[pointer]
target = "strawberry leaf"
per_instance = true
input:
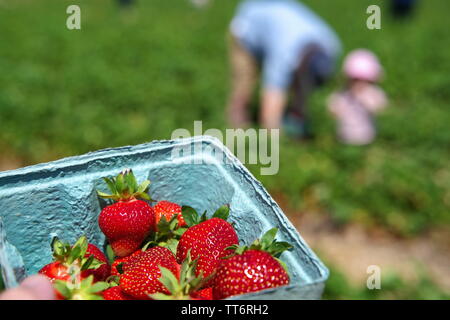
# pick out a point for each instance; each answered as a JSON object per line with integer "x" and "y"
{"x": 223, "y": 212}
{"x": 169, "y": 280}
{"x": 74, "y": 255}
{"x": 163, "y": 225}
{"x": 179, "y": 232}
{"x": 59, "y": 249}
{"x": 87, "y": 263}
{"x": 91, "y": 263}
{"x": 110, "y": 254}
{"x": 145, "y": 196}
{"x": 172, "y": 245}
{"x": 173, "y": 223}
{"x": 184, "y": 267}
{"x": 190, "y": 215}
{"x": 143, "y": 186}
{"x": 85, "y": 283}
{"x": 203, "y": 218}
{"x": 82, "y": 243}
{"x": 160, "y": 296}
{"x": 267, "y": 243}
{"x": 111, "y": 185}
{"x": 61, "y": 287}
{"x": 98, "y": 286}
{"x": 241, "y": 250}
{"x": 277, "y": 248}
{"x": 149, "y": 244}
{"x": 268, "y": 238}
{"x": 106, "y": 196}
{"x": 130, "y": 182}
{"x": 187, "y": 284}
{"x": 192, "y": 218}
{"x": 120, "y": 184}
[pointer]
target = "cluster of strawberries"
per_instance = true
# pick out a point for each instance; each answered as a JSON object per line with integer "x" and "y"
{"x": 163, "y": 252}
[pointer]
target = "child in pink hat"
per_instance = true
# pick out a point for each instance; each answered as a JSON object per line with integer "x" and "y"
{"x": 355, "y": 106}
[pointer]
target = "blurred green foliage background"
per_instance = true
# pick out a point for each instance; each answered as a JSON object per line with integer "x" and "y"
{"x": 132, "y": 76}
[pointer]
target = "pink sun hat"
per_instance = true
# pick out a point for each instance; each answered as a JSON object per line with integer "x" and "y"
{"x": 362, "y": 64}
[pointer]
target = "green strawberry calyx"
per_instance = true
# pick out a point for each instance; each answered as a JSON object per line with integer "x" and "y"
{"x": 187, "y": 284}
{"x": 168, "y": 234}
{"x": 113, "y": 281}
{"x": 192, "y": 218}
{"x": 124, "y": 187}
{"x": 74, "y": 257}
{"x": 266, "y": 243}
{"x": 85, "y": 289}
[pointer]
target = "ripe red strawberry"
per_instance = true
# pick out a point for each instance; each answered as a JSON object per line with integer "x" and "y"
{"x": 252, "y": 269}
{"x": 141, "y": 278}
{"x": 203, "y": 294}
{"x": 103, "y": 271}
{"x": 127, "y": 222}
{"x": 125, "y": 262}
{"x": 206, "y": 240}
{"x": 168, "y": 210}
{"x": 115, "y": 293}
{"x": 72, "y": 265}
{"x": 55, "y": 271}
{"x": 71, "y": 261}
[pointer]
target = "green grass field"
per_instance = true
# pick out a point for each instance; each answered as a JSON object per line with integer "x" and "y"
{"x": 132, "y": 77}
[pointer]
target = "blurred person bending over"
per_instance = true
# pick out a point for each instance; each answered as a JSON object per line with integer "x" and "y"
{"x": 295, "y": 50}
{"x": 354, "y": 105}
